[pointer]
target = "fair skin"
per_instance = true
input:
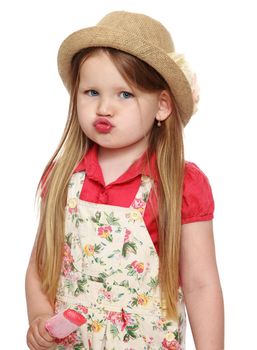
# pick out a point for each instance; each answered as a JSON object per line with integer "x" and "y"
{"x": 201, "y": 285}
{"x": 105, "y": 99}
{"x": 39, "y": 310}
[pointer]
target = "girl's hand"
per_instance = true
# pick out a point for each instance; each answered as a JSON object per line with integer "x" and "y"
{"x": 37, "y": 337}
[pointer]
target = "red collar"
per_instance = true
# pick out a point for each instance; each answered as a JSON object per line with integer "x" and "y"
{"x": 141, "y": 166}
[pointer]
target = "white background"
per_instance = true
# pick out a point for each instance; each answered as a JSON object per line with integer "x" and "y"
{"x": 219, "y": 40}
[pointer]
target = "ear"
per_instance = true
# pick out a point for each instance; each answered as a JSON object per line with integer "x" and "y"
{"x": 165, "y": 106}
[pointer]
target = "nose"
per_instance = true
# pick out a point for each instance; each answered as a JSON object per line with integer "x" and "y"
{"x": 105, "y": 106}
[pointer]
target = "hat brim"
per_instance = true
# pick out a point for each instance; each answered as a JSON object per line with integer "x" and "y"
{"x": 101, "y": 36}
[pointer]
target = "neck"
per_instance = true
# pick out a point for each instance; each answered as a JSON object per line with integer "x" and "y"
{"x": 114, "y": 162}
{"x": 120, "y": 155}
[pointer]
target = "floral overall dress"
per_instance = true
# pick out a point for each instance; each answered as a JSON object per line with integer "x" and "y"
{"x": 110, "y": 275}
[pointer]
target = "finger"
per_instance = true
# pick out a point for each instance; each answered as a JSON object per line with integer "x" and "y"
{"x": 44, "y": 333}
{"x": 42, "y": 344}
{"x": 31, "y": 342}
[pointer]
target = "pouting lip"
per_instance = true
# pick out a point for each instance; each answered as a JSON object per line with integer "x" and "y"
{"x": 102, "y": 120}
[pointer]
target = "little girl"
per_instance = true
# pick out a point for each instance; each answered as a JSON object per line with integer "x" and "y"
{"x": 125, "y": 234}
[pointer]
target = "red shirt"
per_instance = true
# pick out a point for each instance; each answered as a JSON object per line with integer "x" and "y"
{"x": 197, "y": 205}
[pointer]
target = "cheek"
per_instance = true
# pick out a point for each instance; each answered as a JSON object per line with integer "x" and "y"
{"x": 147, "y": 121}
{"x": 83, "y": 112}
{"x": 82, "y": 119}
{"x": 80, "y": 116}
{"x": 80, "y": 106}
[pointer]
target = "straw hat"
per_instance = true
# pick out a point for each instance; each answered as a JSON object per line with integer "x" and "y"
{"x": 143, "y": 37}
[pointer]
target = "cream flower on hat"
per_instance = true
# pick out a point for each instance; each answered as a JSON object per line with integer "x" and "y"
{"x": 191, "y": 77}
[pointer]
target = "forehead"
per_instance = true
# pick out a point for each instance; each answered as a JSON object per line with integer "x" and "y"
{"x": 99, "y": 67}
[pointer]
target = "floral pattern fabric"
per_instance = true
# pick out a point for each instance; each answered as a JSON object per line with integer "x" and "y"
{"x": 110, "y": 275}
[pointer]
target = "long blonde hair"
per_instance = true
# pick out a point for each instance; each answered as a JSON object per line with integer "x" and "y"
{"x": 166, "y": 142}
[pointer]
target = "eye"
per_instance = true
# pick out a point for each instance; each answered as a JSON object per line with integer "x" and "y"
{"x": 91, "y": 93}
{"x": 126, "y": 94}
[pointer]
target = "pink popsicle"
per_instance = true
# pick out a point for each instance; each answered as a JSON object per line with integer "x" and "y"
{"x": 64, "y": 323}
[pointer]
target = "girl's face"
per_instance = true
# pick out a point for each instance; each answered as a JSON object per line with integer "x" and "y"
{"x": 109, "y": 112}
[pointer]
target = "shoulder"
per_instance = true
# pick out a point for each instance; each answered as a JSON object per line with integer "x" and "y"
{"x": 197, "y": 203}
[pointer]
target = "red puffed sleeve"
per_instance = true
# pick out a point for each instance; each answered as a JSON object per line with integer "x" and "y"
{"x": 197, "y": 202}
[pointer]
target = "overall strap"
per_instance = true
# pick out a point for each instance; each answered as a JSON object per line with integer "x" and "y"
{"x": 76, "y": 184}
{"x": 140, "y": 200}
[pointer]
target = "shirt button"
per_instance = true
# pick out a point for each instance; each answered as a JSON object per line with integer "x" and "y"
{"x": 103, "y": 197}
